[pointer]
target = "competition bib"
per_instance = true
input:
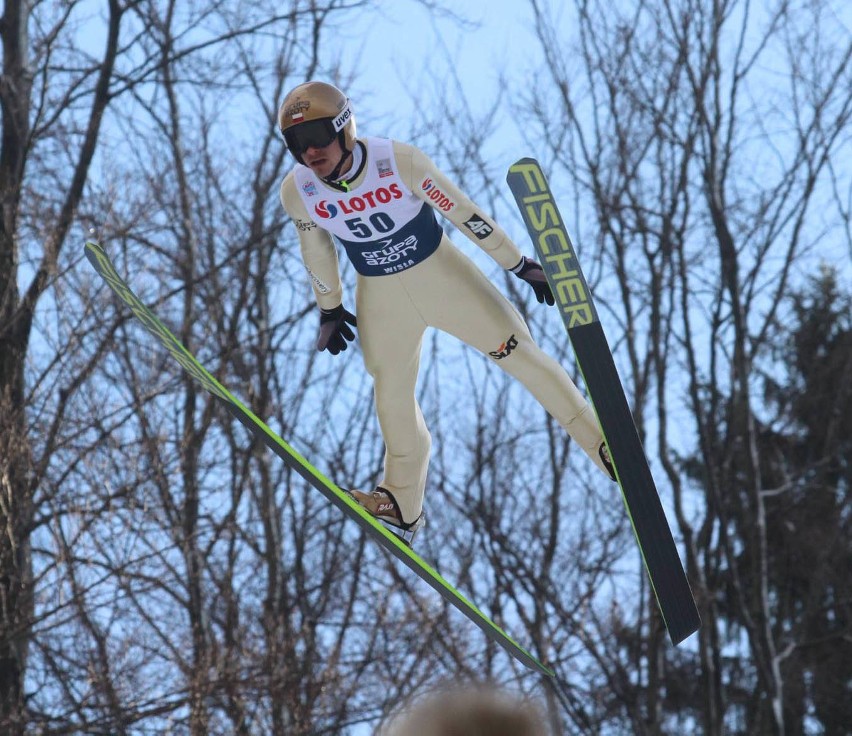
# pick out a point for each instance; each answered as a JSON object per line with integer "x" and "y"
{"x": 382, "y": 225}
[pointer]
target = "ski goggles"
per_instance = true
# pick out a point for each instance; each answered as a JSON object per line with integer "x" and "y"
{"x": 316, "y": 133}
{"x": 312, "y": 134}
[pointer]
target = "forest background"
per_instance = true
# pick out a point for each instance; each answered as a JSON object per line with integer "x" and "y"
{"x": 160, "y": 572}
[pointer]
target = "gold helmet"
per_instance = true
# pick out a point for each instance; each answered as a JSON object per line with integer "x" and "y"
{"x": 314, "y": 114}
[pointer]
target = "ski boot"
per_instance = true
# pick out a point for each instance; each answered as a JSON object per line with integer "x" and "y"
{"x": 381, "y": 504}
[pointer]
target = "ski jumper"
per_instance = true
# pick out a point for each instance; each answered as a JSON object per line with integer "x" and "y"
{"x": 410, "y": 276}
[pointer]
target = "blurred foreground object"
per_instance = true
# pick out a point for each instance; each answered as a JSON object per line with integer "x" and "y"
{"x": 468, "y": 711}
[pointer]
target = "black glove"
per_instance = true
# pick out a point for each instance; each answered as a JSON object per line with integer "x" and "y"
{"x": 333, "y": 331}
{"x": 528, "y": 270}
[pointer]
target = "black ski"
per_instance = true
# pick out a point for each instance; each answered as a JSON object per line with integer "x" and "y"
{"x": 594, "y": 357}
{"x": 339, "y": 498}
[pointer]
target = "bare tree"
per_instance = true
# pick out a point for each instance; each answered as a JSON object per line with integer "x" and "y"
{"x": 157, "y": 568}
{"x": 698, "y": 140}
{"x": 29, "y": 107}
{"x": 160, "y": 571}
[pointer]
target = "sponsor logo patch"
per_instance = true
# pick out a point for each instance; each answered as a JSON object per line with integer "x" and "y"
{"x": 358, "y": 203}
{"x": 304, "y": 225}
{"x": 505, "y": 349}
{"x": 325, "y": 209}
{"x": 441, "y": 200}
{"x": 321, "y": 287}
{"x": 310, "y": 189}
{"x": 479, "y": 227}
{"x": 342, "y": 118}
{"x": 390, "y": 256}
{"x": 384, "y": 167}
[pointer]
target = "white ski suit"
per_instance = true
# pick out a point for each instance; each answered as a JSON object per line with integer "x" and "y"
{"x": 410, "y": 277}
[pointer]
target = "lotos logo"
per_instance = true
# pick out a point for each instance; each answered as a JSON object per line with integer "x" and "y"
{"x": 441, "y": 200}
{"x": 505, "y": 349}
{"x": 360, "y": 202}
{"x": 326, "y": 210}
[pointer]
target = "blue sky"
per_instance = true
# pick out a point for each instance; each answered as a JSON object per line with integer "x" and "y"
{"x": 404, "y": 41}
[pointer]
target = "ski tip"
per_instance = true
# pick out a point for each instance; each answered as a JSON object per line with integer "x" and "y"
{"x": 530, "y": 661}
{"x": 521, "y": 167}
{"x": 547, "y": 672}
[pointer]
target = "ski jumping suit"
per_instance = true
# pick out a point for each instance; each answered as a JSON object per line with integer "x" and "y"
{"x": 410, "y": 277}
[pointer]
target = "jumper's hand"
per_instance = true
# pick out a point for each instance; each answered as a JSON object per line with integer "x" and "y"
{"x": 528, "y": 270}
{"x": 334, "y": 330}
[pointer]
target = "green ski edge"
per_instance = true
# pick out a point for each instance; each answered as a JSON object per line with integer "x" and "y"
{"x": 102, "y": 264}
{"x": 533, "y": 196}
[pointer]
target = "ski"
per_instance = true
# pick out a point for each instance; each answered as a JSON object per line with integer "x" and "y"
{"x": 339, "y": 498}
{"x": 558, "y": 258}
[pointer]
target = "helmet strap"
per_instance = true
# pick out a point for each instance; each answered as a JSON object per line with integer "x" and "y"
{"x": 346, "y": 154}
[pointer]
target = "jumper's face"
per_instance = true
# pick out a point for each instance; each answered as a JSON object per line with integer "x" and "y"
{"x": 323, "y": 159}
{"x": 317, "y": 144}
